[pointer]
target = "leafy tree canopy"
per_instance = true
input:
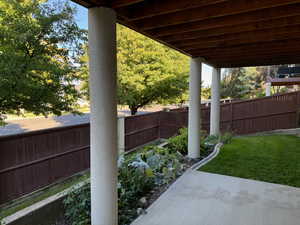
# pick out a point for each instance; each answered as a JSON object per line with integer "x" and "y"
{"x": 148, "y": 72}
{"x": 39, "y": 43}
{"x": 243, "y": 83}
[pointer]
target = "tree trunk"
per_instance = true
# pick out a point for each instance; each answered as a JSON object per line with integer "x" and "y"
{"x": 133, "y": 110}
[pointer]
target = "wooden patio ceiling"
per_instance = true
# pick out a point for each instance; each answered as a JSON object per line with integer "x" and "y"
{"x": 225, "y": 33}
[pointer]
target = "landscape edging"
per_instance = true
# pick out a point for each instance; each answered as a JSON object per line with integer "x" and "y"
{"x": 208, "y": 158}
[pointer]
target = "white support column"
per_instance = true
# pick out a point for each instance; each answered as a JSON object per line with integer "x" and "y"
{"x": 102, "y": 65}
{"x": 268, "y": 84}
{"x": 268, "y": 89}
{"x": 215, "y": 102}
{"x": 194, "y": 125}
{"x": 121, "y": 134}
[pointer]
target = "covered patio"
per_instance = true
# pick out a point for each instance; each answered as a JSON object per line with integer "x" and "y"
{"x": 213, "y": 199}
{"x": 220, "y": 33}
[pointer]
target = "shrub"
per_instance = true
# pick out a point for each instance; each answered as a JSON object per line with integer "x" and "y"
{"x": 211, "y": 140}
{"x": 226, "y": 138}
{"x": 78, "y": 205}
{"x": 139, "y": 173}
{"x": 180, "y": 142}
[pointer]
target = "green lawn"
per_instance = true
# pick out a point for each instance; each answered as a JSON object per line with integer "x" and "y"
{"x": 274, "y": 158}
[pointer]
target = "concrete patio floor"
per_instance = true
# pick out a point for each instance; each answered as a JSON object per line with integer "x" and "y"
{"x": 199, "y": 198}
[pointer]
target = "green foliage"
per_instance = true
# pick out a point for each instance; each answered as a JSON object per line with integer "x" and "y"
{"x": 211, "y": 140}
{"x": 248, "y": 82}
{"x": 139, "y": 173}
{"x": 148, "y": 72}
{"x": 226, "y": 138}
{"x": 243, "y": 83}
{"x": 205, "y": 92}
{"x": 39, "y": 43}
{"x": 78, "y": 205}
{"x": 235, "y": 84}
{"x": 180, "y": 142}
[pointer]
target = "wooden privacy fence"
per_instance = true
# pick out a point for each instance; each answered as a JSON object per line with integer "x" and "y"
{"x": 33, "y": 160}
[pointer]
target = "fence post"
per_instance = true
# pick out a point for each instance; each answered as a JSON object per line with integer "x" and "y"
{"x": 121, "y": 134}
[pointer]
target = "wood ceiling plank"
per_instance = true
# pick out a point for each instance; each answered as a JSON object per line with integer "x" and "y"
{"x": 122, "y": 3}
{"x": 85, "y": 3}
{"x": 157, "y": 7}
{"x": 243, "y": 38}
{"x": 261, "y": 55}
{"x": 246, "y": 49}
{"x": 106, "y": 3}
{"x": 257, "y": 62}
{"x": 247, "y": 27}
{"x": 251, "y": 17}
{"x": 213, "y": 11}
{"x": 226, "y": 28}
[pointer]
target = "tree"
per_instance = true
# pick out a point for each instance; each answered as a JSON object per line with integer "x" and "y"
{"x": 39, "y": 43}
{"x": 242, "y": 83}
{"x": 205, "y": 92}
{"x": 234, "y": 83}
{"x": 148, "y": 72}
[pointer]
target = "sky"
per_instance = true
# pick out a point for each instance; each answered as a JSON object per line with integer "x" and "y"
{"x": 82, "y": 21}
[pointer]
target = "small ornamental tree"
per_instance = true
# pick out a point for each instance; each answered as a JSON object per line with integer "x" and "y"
{"x": 39, "y": 43}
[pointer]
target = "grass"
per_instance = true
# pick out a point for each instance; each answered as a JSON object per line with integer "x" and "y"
{"x": 273, "y": 158}
{"x": 15, "y": 206}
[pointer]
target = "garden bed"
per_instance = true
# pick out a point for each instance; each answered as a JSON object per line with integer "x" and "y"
{"x": 143, "y": 176}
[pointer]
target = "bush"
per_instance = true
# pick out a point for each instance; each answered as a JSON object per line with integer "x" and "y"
{"x": 226, "y": 138}
{"x": 211, "y": 140}
{"x": 78, "y": 205}
{"x": 139, "y": 173}
{"x": 180, "y": 142}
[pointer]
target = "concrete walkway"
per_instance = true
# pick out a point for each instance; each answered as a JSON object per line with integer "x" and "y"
{"x": 199, "y": 198}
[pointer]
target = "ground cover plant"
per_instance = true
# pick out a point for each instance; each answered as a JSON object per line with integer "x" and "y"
{"x": 139, "y": 174}
{"x": 272, "y": 158}
{"x": 143, "y": 176}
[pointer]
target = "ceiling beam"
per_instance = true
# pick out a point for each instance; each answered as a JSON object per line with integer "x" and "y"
{"x": 130, "y": 26}
{"x": 247, "y": 27}
{"x": 256, "y": 16}
{"x": 122, "y": 3}
{"x": 213, "y": 11}
{"x": 258, "y": 62}
{"x": 255, "y": 54}
{"x": 243, "y": 38}
{"x": 246, "y": 49}
{"x": 236, "y": 57}
{"x": 253, "y": 57}
{"x": 85, "y": 3}
{"x": 107, "y": 3}
{"x": 157, "y": 7}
